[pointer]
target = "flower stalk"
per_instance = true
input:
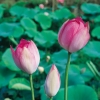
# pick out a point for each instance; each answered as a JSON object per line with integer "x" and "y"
{"x": 31, "y": 84}
{"x": 54, "y": 5}
{"x": 66, "y": 77}
{"x": 51, "y": 98}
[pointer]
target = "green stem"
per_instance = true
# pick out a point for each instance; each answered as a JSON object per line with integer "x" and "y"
{"x": 94, "y": 67}
{"x": 65, "y": 3}
{"x": 51, "y": 98}
{"x": 54, "y": 5}
{"x": 93, "y": 71}
{"x": 66, "y": 76}
{"x": 13, "y": 40}
{"x": 31, "y": 83}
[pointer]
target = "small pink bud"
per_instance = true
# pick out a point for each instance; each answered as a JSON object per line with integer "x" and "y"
{"x": 41, "y": 6}
{"x": 61, "y": 1}
{"x": 26, "y": 56}
{"x": 52, "y": 83}
{"x": 74, "y": 34}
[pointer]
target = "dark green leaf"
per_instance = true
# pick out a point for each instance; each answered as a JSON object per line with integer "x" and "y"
{"x": 81, "y": 92}
{"x": 18, "y": 32}
{"x": 46, "y": 38}
{"x": 29, "y": 13}
{"x": 8, "y": 60}
{"x": 60, "y": 95}
{"x": 27, "y": 23}
{"x": 92, "y": 49}
{"x": 1, "y": 10}
{"x": 77, "y": 92}
{"x": 6, "y": 29}
{"x": 31, "y": 33}
{"x": 97, "y": 19}
{"x": 44, "y": 20}
{"x": 61, "y": 57}
{"x": 96, "y": 32}
{"x": 90, "y": 8}
{"x": 43, "y": 94}
{"x": 17, "y": 10}
{"x": 22, "y": 11}
{"x": 5, "y": 75}
{"x": 61, "y": 13}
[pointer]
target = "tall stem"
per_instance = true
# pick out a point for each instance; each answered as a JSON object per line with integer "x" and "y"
{"x": 54, "y": 5}
{"x": 65, "y": 2}
{"x": 31, "y": 83}
{"x": 66, "y": 77}
{"x": 13, "y": 40}
{"x": 51, "y": 98}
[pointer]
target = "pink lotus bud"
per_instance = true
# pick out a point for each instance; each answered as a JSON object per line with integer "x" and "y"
{"x": 26, "y": 56}
{"x": 41, "y": 6}
{"x": 52, "y": 83}
{"x": 61, "y": 1}
{"x": 74, "y": 34}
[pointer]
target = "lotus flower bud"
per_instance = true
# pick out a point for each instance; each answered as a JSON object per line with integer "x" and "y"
{"x": 47, "y": 58}
{"x": 74, "y": 34}
{"x": 41, "y": 6}
{"x": 26, "y": 56}
{"x": 61, "y": 1}
{"x": 41, "y": 69}
{"x": 52, "y": 83}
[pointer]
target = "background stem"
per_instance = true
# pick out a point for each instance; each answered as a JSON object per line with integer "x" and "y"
{"x": 51, "y": 98}
{"x": 54, "y": 5}
{"x": 66, "y": 77}
{"x": 31, "y": 83}
{"x": 13, "y": 40}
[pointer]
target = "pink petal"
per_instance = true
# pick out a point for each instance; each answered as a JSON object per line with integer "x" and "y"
{"x": 79, "y": 40}
{"x": 15, "y": 57}
{"x": 52, "y": 83}
{"x": 87, "y": 25}
{"x": 34, "y": 52}
{"x": 27, "y": 61}
{"x": 67, "y": 32}
{"x": 23, "y": 43}
{"x": 60, "y": 1}
{"x": 80, "y": 20}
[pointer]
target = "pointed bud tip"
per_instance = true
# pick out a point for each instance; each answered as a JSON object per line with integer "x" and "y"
{"x": 53, "y": 67}
{"x": 12, "y": 50}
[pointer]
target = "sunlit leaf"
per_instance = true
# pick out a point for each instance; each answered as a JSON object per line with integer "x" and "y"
{"x": 28, "y": 24}
{"x": 90, "y": 8}
{"x": 44, "y": 20}
{"x": 8, "y": 61}
{"x": 19, "y": 84}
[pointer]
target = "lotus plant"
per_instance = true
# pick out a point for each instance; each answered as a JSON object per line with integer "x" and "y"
{"x": 52, "y": 83}
{"x": 27, "y": 58}
{"x": 73, "y": 36}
